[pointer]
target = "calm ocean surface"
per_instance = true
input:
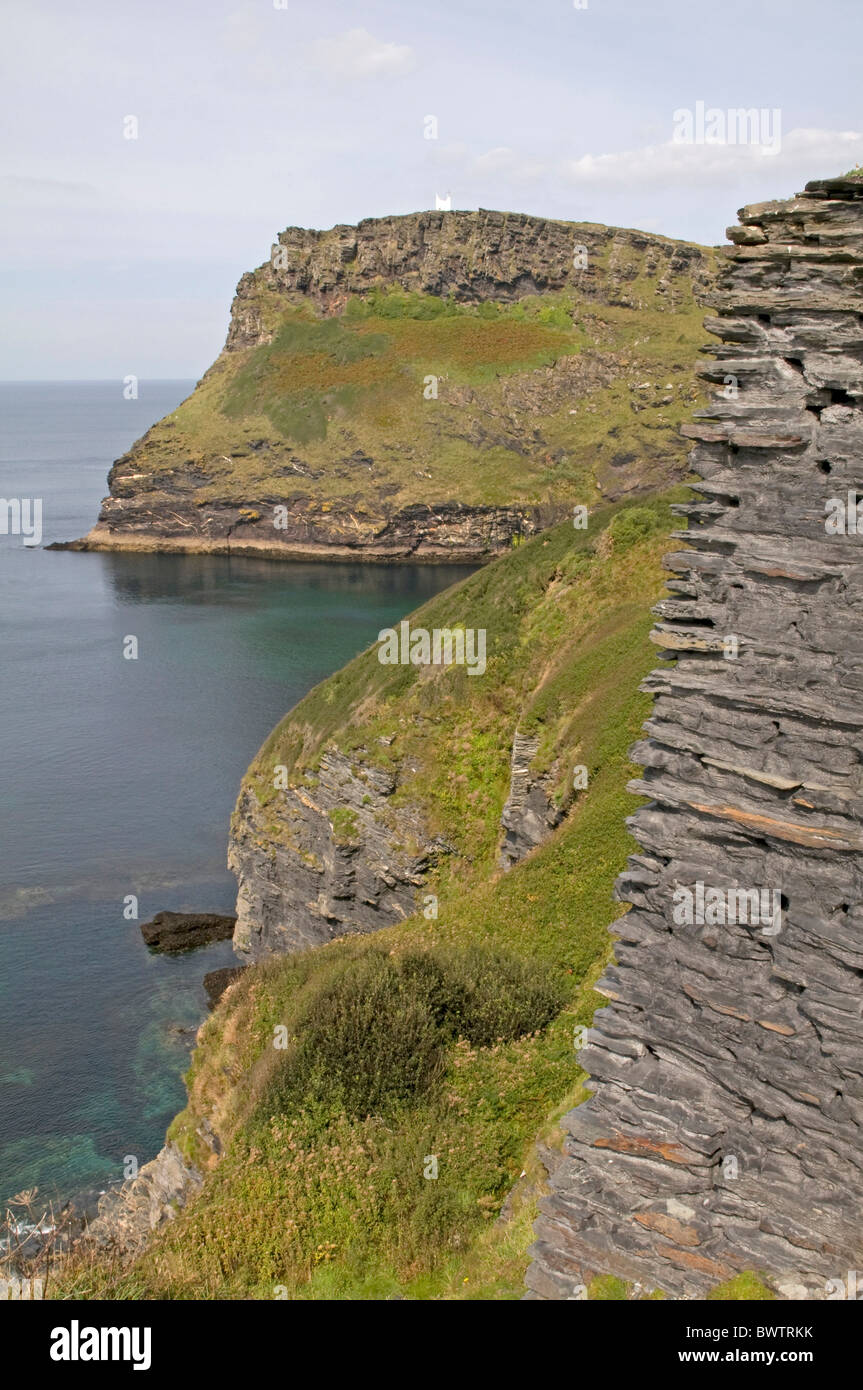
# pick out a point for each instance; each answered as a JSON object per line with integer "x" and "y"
{"x": 118, "y": 777}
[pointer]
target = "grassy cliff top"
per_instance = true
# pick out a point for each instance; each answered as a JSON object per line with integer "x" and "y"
{"x": 485, "y": 359}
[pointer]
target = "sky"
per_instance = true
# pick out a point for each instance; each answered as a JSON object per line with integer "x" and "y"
{"x": 152, "y": 151}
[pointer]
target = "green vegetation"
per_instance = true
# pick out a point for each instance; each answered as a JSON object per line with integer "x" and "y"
{"x": 745, "y": 1288}
{"x": 396, "y": 398}
{"x": 344, "y": 823}
{"x": 378, "y": 1100}
{"x": 565, "y": 615}
{"x": 447, "y": 1039}
{"x": 371, "y": 1034}
{"x": 606, "y": 1288}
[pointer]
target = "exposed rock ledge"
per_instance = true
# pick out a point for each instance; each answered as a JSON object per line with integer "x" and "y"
{"x": 529, "y": 815}
{"x": 332, "y": 856}
{"x": 305, "y": 876}
{"x": 128, "y": 1215}
{"x": 447, "y": 533}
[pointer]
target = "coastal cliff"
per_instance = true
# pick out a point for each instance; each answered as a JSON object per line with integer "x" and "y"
{"x": 426, "y": 864}
{"x": 387, "y": 786}
{"x": 724, "y": 1130}
{"x": 432, "y": 387}
{"x": 325, "y": 859}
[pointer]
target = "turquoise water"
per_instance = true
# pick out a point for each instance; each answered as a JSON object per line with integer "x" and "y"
{"x": 118, "y": 777}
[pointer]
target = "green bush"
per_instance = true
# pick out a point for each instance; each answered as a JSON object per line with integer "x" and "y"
{"x": 344, "y": 823}
{"x": 374, "y": 1034}
{"x": 302, "y": 336}
{"x": 607, "y": 1288}
{"x": 747, "y": 1287}
{"x": 496, "y": 997}
{"x": 396, "y": 303}
{"x": 363, "y": 1043}
{"x": 555, "y": 316}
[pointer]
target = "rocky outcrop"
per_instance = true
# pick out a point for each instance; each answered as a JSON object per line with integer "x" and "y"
{"x": 217, "y": 981}
{"x": 325, "y": 858}
{"x": 331, "y": 855}
{"x": 128, "y": 1215}
{"x": 724, "y": 1130}
{"x": 529, "y": 815}
{"x": 320, "y": 405}
{"x": 469, "y": 256}
{"x": 172, "y": 521}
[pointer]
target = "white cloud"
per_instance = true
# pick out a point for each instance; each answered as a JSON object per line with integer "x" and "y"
{"x": 357, "y": 53}
{"x": 51, "y": 45}
{"x": 247, "y": 27}
{"x": 487, "y": 175}
{"x": 802, "y": 153}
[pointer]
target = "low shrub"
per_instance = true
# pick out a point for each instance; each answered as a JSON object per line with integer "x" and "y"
{"x": 374, "y": 1033}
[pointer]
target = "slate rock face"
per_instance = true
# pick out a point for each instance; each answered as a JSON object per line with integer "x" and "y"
{"x": 529, "y": 815}
{"x": 472, "y": 256}
{"x": 724, "y": 1129}
{"x": 128, "y": 1215}
{"x": 302, "y": 880}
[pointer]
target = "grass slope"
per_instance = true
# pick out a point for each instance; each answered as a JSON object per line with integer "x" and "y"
{"x": 534, "y": 402}
{"x": 449, "y": 1039}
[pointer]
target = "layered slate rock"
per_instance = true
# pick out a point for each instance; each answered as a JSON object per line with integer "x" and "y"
{"x": 470, "y": 256}
{"x": 128, "y": 1215}
{"x": 724, "y": 1128}
{"x": 529, "y": 814}
{"x": 328, "y": 862}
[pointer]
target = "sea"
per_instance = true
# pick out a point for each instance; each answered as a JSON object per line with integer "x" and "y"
{"x": 118, "y": 776}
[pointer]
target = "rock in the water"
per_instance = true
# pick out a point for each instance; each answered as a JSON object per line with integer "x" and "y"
{"x": 182, "y": 931}
{"x": 724, "y": 1132}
